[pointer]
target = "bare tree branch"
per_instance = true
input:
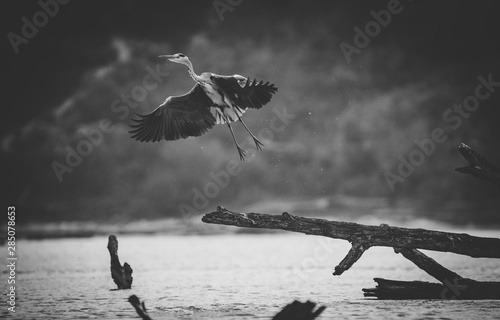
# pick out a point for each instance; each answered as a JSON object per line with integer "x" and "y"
{"x": 352, "y": 256}
{"x": 386, "y": 236}
{"x": 478, "y": 167}
{"x": 429, "y": 265}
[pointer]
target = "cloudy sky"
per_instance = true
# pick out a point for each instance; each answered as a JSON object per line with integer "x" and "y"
{"x": 373, "y": 99}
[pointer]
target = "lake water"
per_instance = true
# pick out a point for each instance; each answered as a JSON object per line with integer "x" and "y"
{"x": 237, "y": 276}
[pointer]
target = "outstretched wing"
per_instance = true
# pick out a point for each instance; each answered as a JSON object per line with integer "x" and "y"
{"x": 245, "y": 92}
{"x": 178, "y": 117}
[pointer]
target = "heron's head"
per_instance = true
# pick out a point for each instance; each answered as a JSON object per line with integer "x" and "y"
{"x": 177, "y": 58}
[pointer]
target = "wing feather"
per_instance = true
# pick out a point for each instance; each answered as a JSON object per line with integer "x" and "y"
{"x": 178, "y": 117}
{"x": 253, "y": 94}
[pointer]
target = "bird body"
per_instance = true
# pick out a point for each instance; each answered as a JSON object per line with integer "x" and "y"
{"x": 223, "y": 103}
{"x": 215, "y": 99}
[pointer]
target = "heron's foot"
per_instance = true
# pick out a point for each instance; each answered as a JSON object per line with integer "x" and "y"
{"x": 258, "y": 144}
{"x": 241, "y": 152}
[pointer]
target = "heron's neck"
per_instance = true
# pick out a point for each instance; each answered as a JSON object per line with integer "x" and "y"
{"x": 191, "y": 71}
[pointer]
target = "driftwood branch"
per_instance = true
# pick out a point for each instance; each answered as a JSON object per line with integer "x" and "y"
{"x": 122, "y": 275}
{"x": 385, "y": 236}
{"x": 479, "y": 167}
{"x": 352, "y": 256}
{"x": 429, "y": 265}
{"x": 403, "y": 240}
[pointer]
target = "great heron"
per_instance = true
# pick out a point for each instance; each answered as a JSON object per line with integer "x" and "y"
{"x": 214, "y": 99}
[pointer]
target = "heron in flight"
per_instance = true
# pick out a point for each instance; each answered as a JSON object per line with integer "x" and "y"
{"x": 215, "y": 99}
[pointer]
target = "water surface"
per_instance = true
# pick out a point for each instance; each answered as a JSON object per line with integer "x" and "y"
{"x": 239, "y": 276}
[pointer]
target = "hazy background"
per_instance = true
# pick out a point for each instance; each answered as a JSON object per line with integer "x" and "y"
{"x": 352, "y": 120}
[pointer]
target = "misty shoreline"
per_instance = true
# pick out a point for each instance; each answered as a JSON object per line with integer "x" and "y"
{"x": 195, "y": 227}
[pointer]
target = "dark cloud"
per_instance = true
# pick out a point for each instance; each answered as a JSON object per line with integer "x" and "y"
{"x": 351, "y": 123}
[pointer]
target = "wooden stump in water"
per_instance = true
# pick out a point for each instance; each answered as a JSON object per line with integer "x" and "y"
{"x": 139, "y": 307}
{"x": 122, "y": 275}
{"x": 293, "y": 311}
{"x": 299, "y": 311}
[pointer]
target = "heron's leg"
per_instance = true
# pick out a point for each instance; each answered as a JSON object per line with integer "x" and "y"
{"x": 258, "y": 144}
{"x": 240, "y": 151}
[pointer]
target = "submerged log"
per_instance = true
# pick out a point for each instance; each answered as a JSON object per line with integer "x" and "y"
{"x": 479, "y": 167}
{"x": 458, "y": 289}
{"x": 122, "y": 275}
{"x": 452, "y": 285}
{"x": 299, "y": 311}
{"x": 400, "y": 290}
{"x": 139, "y": 307}
{"x": 403, "y": 240}
{"x": 293, "y": 311}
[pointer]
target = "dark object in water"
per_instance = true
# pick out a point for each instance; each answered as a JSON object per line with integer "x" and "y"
{"x": 449, "y": 290}
{"x": 140, "y": 308}
{"x": 299, "y": 311}
{"x": 122, "y": 276}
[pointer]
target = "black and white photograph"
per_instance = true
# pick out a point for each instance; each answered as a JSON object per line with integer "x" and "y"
{"x": 250, "y": 159}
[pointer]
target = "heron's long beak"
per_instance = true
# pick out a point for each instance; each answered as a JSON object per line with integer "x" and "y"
{"x": 168, "y": 56}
